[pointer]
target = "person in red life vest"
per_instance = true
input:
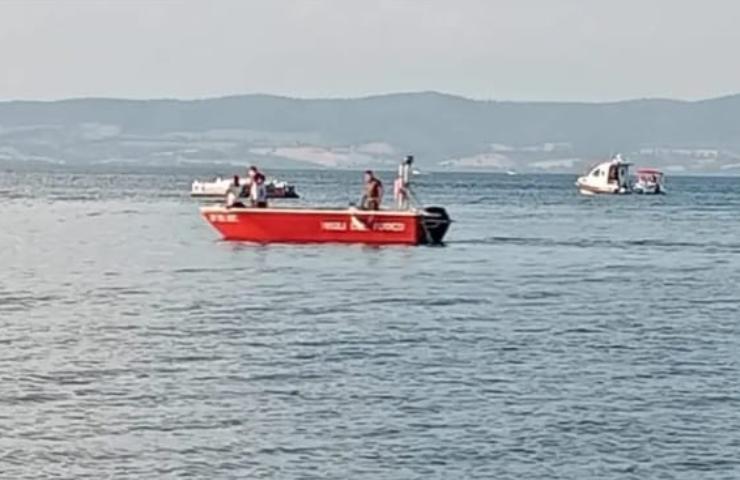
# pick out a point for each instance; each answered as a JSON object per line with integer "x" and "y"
{"x": 258, "y": 191}
{"x": 373, "y": 193}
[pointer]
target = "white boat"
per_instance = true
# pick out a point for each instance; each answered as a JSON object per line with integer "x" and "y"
{"x": 219, "y": 186}
{"x": 610, "y": 177}
{"x": 215, "y": 188}
{"x": 649, "y": 181}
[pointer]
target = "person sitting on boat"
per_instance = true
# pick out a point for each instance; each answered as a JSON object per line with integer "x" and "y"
{"x": 258, "y": 191}
{"x": 233, "y": 194}
{"x": 373, "y": 192}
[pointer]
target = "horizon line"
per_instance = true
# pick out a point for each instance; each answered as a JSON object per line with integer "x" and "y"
{"x": 363, "y": 97}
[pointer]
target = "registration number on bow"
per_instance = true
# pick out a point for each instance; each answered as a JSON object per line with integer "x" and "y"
{"x": 222, "y": 218}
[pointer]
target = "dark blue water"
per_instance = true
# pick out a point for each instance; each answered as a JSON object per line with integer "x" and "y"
{"x": 554, "y": 336}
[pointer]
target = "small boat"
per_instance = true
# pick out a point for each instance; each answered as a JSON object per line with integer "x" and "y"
{"x": 280, "y": 189}
{"x": 649, "y": 181}
{"x": 610, "y": 177}
{"x": 315, "y": 225}
{"x": 219, "y": 186}
{"x": 215, "y": 188}
{"x": 401, "y": 225}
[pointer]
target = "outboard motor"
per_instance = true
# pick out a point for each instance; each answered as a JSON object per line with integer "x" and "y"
{"x": 435, "y": 223}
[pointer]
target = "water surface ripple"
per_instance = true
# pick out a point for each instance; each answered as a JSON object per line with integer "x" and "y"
{"x": 553, "y": 337}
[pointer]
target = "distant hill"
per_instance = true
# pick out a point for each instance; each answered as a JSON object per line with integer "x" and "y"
{"x": 443, "y": 131}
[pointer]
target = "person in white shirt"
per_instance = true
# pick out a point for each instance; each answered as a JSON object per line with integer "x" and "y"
{"x": 233, "y": 194}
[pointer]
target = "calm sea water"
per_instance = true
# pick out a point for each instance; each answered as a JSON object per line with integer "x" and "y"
{"x": 554, "y": 336}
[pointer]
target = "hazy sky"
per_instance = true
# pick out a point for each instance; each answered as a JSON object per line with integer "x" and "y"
{"x": 494, "y": 49}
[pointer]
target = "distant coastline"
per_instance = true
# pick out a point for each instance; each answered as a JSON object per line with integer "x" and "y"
{"x": 445, "y": 132}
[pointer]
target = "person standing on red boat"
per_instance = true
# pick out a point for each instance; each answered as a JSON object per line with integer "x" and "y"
{"x": 251, "y": 173}
{"x": 401, "y": 191}
{"x": 373, "y": 193}
{"x": 258, "y": 191}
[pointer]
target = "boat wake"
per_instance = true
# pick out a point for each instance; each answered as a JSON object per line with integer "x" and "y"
{"x": 598, "y": 243}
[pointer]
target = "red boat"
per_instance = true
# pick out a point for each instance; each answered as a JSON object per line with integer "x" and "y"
{"x": 295, "y": 225}
{"x": 409, "y": 226}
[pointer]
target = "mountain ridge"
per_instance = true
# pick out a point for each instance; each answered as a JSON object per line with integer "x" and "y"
{"x": 408, "y": 93}
{"x": 443, "y": 130}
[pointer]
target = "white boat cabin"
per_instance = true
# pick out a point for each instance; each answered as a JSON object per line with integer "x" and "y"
{"x": 607, "y": 177}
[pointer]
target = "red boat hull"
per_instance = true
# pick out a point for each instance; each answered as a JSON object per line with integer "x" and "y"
{"x": 282, "y": 225}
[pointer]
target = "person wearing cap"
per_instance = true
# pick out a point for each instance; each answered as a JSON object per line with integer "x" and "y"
{"x": 373, "y": 193}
